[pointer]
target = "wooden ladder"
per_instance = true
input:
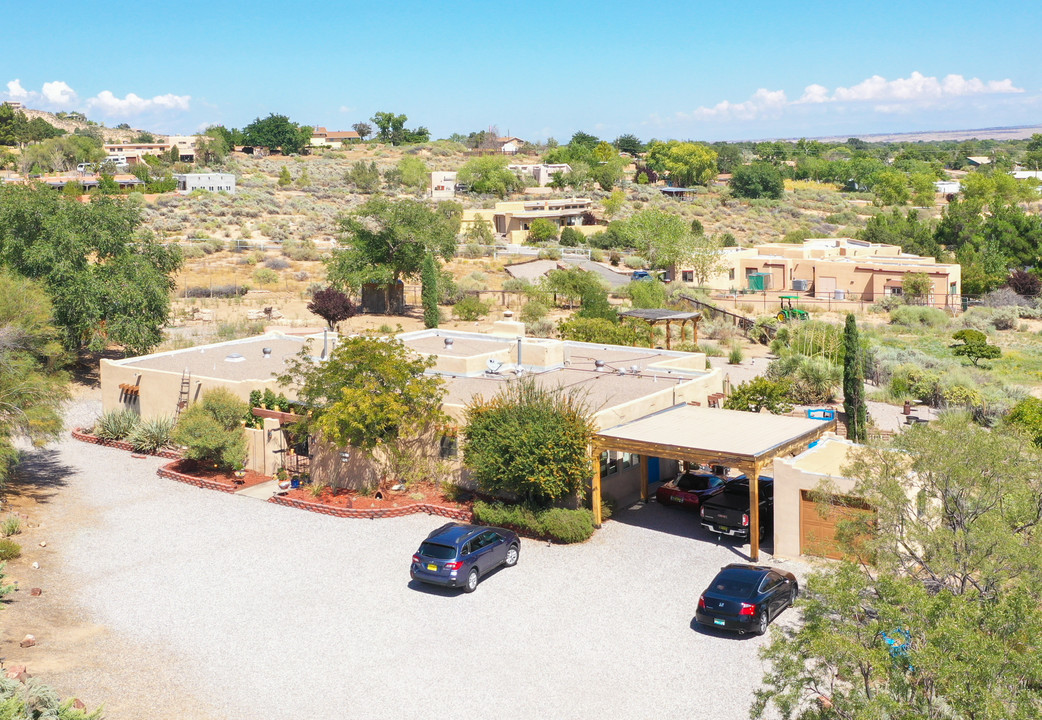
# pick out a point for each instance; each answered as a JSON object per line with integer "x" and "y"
{"x": 182, "y": 397}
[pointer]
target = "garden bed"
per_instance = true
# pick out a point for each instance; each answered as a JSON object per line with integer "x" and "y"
{"x": 83, "y": 436}
{"x": 195, "y": 473}
{"x": 349, "y": 503}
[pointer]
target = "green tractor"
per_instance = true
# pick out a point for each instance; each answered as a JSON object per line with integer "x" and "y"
{"x": 789, "y": 311}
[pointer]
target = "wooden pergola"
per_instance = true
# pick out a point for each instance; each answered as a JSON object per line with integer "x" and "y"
{"x": 745, "y": 441}
{"x": 653, "y": 316}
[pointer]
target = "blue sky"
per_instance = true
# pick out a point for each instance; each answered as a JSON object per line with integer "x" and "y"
{"x": 689, "y": 70}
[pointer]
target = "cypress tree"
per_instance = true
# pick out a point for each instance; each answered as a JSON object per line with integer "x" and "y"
{"x": 854, "y": 383}
{"x": 429, "y": 293}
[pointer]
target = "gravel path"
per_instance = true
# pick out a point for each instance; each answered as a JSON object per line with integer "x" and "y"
{"x": 270, "y": 612}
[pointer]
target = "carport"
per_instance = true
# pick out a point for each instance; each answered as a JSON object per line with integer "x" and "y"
{"x": 745, "y": 441}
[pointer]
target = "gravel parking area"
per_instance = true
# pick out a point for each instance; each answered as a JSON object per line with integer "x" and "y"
{"x": 260, "y": 611}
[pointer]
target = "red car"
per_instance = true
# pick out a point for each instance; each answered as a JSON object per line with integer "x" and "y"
{"x": 690, "y": 489}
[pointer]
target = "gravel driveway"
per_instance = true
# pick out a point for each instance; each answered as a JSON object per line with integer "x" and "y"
{"x": 272, "y": 612}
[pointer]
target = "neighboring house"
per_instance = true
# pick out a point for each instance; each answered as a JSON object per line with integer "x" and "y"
{"x": 185, "y": 145}
{"x": 509, "y": 145}
{"x": 513, "y": 218}
{"x": 443, "y": 184}
{"x": 89, "y": 181}
{"x": 134, "y": 152}
{"x": 14, "y": 104}
{"x": 947, "y": 187}
{"x": 837, "y": 268}
{"x": 542, "y": 173}
{"x": 211, "y": 182}
{"x": 978, "y": 160}
{"x": 335, "y": 139}
{"x": 618, "y": 383}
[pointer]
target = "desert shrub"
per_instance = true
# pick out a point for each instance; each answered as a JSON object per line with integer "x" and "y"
{"x": 1005, "y": 297}
{"x": 735, "y": 356}
{"x": 887, "y": 304}
{"x": 763, "y": 330}
{"x": 533, "y": 311}
{"x": 191, "y": 252}
{"x": 570, "y": 237}
{"x": 602, "y": 331}
{"x": 471, "y": 308}
{"x": 116, "y": 424}
{"x": 542, "y": 328}
{"x": 11, "y": 525}
{"x": 597, "y": 255}
{"x": 541, "y": 230}
{"x": 211, "y": 430}
{"x": 152, "y": 435}
{"x": 518, "y": 285}
{"x": 634, "y": 262}
{"x": 559, "y": 524}
{"x": 217, "y": 291}
{"x": 1027, "y": 415}
{"x": 549, "y": 254}
{"x": 276, "y": 263}
{"x": 918, "y": 316}
{"x": 300, "y": 250}
{"x": 646, "y": 294}
{"x": 811, "y": 379}
{"x": 474, "y": 282}
{"x": 9, "y": 550}
{"x": 987, "y": 318}
{"x": 265, "y": 276}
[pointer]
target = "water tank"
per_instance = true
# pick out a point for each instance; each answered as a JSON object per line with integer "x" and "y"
{"x": 799, "y": 285}
{"x": 839, "y": 295}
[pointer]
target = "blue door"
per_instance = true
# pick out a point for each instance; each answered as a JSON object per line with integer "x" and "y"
{"x": 653, "y": 471}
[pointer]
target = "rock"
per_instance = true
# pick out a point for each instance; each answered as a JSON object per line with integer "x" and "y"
{"x": 35, "y": 566}
{"x": 78, "y": 704}
{"x": 35, "y": 592}
{"x": 28, "y": 642}
{"x": 17, "y": 672}
{"x": 43, "y": 543}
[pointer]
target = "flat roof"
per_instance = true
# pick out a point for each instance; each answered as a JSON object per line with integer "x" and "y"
{"x": 732, "y": 436}
{"x": 660, "y": 314}
{"x": 461, "y": 346}
{"x": 212, "y": 360}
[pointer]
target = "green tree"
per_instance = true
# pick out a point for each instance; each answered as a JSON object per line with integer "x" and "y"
{"x": 276, "y": 131}
{"x": 955, "y": 569}
{"x": 391, "y": 129}
{"x": 574, "y": 285}
{"x": 413, "y": 173}
{"x": 109, "y": 282}
{"x": 303, "y": 180}
{"x": 906, "y": 231}
{"x": 211, "y": 430}
{"x": 530, "y": 441}
{"x": 488, "y": 174}
{"x": 480, "y": 232}
{"x": 363, "y": 129}
{"x": 613, "y": 203}
{"x": 602, "y": 331}
{"x": 728, "y": 157}
{"x": 854, "y": 383}
{"x": 175, "y": 154}
{"x": 685, "y": 163}
{"x": 759, "y": 180}
{"x": 364, "y": 176}
{"x": 891, "y": 188}
{"x": 1026, "y": 415}
{"x": 629, "y": 143}
{"x": 661, "y": 238}
{"x": 429, "y": 292}
{"x": 923, "y": 192}
{"x": 385, "y": 241}
{"x": 285, "y": 179}
{"x": 542, "y": 230}
{"x": 370, "y": 393}
{"x": 917, "y": 288}
{"x": 570, "y": 237}
{"x": 760, "y": 394}
{"x": 974, "y": 346}
{"x": 558, "y": 180}
{"x": 704, "y": 258}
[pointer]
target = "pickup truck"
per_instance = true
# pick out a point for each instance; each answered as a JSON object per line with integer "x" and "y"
{"x": 728, "y": 512}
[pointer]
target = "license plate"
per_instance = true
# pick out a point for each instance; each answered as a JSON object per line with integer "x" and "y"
{"x": 432, "y": 568}
{"x": 676, "y": 498}
{"x": 721, "y": 528}
{"x": 718, "y": 622}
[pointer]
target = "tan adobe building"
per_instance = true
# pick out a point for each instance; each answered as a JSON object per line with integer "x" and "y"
{"x": 837, "y": 268}
{"x": 335, "y": 139}
{"x": 513, "y": 218}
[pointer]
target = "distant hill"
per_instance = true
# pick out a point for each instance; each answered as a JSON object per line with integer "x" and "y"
{"x": 1020, "y": 132}
{"x": 111, "y": 134}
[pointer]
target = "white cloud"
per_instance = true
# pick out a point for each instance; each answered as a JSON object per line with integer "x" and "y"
{"x": 59, "y": 95}
{"x": 345, "y": 109}
{"x": 917, "y": 91}
{"x": 109, "y": 105}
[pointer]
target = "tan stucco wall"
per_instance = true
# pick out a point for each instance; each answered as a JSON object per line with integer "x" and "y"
{"x": 824, "y": 462}
{"x": 696, "y": 390}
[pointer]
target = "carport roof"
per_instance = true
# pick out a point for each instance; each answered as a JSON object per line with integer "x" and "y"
{"x": 728, "y": 437}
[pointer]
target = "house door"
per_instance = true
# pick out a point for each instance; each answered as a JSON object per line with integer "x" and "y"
{"x": 825, "y": 287}
{"x": 818, "y": 532}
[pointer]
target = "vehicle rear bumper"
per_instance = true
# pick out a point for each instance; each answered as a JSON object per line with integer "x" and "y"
{"x": 724, "y": 530}
{"x": 435, "y": 579}
{"x": 742, "y": 624}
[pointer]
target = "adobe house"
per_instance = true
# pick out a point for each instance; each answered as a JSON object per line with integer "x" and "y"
{"x": 332, "y": 139}
{"x": 513, "y": 218}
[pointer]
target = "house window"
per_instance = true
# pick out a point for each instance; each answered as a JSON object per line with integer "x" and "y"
{"x": 449, "y": 446}
{"x": 687, "y": 275}
{"x": 730, "y": 274}
{"x": 613, "y": 462}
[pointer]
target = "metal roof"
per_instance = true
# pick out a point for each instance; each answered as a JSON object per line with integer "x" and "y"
{"x": 659, "y": 314}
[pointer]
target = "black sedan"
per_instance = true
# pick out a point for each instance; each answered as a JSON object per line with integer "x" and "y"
{"x": 458, "y": 555}
{"x": 746, "y": 598}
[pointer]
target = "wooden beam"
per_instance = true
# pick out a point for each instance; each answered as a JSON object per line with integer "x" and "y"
{"x": 669, "y": 326}
{"x": 595, "y": 490}
{"x": 643, "y": 460}
{"x": 754, "y": 514}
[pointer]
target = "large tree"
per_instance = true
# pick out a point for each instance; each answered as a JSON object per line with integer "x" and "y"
{"x": 953, "y": 582}
{"x": 662, "y": 238}
{"x": 391, "y": 129}
{"x": 685, "y": 163}
{"x": 109, "y": 281}
{"x": 759, "y": 180}
{"x": 277, "y": 131}
{"x": 385, "y": 241}
{"x": 489, "y": 174}
{"x": 854, "y": 383}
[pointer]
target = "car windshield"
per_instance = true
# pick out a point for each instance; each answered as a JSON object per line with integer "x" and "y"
{"x": 436, "y": 551}
{"x": 689, "y": 481}
{"x": 733, "y": 586}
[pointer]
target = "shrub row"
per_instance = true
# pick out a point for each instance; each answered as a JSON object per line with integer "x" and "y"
{"x": 559, "y": 524}
{"x": 147, "y": 436}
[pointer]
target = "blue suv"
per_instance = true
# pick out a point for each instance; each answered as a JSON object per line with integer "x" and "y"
{"x": 457, "y": 555}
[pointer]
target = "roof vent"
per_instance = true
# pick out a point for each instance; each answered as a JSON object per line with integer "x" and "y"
{"x": 266, "y": 352}
{"x": 448, "y": 343}
{"x": 235, "y": 357}
{"x": 635, "y": 369}
{"x": 598, "y": 365}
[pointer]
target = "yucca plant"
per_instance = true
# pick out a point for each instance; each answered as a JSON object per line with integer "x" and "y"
{"x": 11, "y": 526}
{"x": 152, "y": 435}
{"x": 116, "y": 424}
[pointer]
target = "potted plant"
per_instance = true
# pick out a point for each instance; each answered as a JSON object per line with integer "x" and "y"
{"x": 239, "y": 471}
{"x": 282, "y": 475}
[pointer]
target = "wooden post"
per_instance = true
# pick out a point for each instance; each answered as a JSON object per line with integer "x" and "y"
{"x": 694, "y": 331}
{"x": 595, "y": 490}
{"x": 668, "y": 333}
{"x": 754, "y": 514}
{"x": 683, "y": 330}
{"x": 643, "y": 460}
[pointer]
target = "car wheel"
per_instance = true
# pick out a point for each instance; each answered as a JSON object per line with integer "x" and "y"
{"x": 793, "y": 594}
{"x": 512, "y": 554}
{"x": 472, "y": 581}
{"x": 761, "y": 623}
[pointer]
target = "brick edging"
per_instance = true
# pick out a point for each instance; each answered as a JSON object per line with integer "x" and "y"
{"x": 78, "y": 434}
{"x": 167, "y": 472}
{"x": 373, "y": 513}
